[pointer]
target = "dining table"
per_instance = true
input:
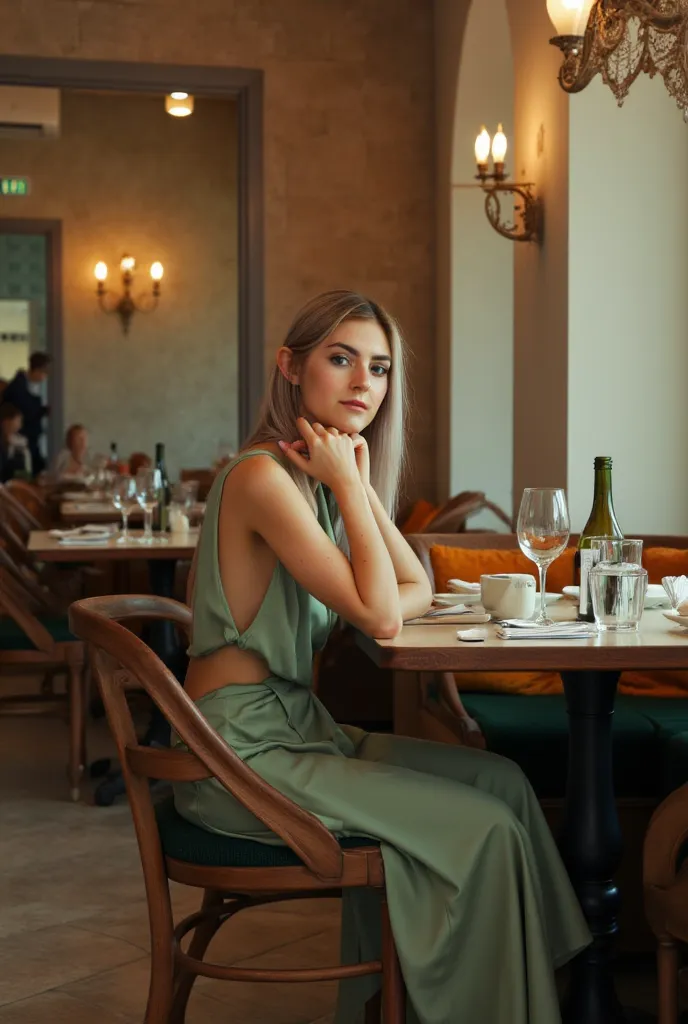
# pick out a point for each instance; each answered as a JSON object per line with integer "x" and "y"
{"x": 89, "y": 510}
{"x": 162, "y": 557}
{"x": 590, "y": 837}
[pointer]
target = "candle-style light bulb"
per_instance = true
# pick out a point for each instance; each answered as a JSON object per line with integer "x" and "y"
{"x": 499, "y": 145}
{"x": 100, "y": 271}
{"x": 482, "y": 151}
{"x": 157, "y": 270}
{"x": 569, "y": 17}
{"x": 127, "y": 264}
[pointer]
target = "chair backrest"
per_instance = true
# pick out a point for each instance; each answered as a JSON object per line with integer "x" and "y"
{"x": 453, "y": 515}
{"x": 18, "y": 516}
{"x": 422, "y": 542}
{"x": 99, "y": 621}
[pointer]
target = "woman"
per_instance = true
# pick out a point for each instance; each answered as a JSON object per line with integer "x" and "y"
{"x": 298, "y": 531}
{"x": 72, "y": 462}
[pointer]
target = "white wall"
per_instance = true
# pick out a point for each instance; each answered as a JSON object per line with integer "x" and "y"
{"x": 481, "y": 374}
{"x": 628, "y": 305}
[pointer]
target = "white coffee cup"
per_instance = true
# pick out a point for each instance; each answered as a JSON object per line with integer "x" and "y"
{"x": 508, "y": 595}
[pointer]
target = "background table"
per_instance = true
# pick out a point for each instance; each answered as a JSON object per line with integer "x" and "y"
{"x": 590, "y": 840}
{"x": 162, "y": 559}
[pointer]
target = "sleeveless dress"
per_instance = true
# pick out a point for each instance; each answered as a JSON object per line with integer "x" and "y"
{"x": 480, "y": 904}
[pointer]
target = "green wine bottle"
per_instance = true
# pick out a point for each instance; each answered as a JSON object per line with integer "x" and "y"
{"x": 161, "y": 517}
{"x": 601, "y": 523}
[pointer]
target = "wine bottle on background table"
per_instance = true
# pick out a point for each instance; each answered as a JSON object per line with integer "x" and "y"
{"x": 113, "y": 462}
{"x": 601, "y": 523}
{"x": 161, "y": 518}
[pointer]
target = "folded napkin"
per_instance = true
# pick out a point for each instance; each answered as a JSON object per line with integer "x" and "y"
{"x": 455, "y": 613}
{"x": 524, "y": 629}
{"x": 461, "y": 587}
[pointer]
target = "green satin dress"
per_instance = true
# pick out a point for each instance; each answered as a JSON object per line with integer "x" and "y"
{"x": 481, "y": 906}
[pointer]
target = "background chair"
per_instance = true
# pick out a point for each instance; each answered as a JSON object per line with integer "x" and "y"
{"x": 35, "y": 640}
{"x": 665, "y": 883}
{"x": 233, "y": 873}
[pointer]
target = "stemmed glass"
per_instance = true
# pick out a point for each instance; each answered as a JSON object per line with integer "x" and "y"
{"x": 147, "y": 497}
{"x": 543, "y": 531}
{"x": 125, "y": 501}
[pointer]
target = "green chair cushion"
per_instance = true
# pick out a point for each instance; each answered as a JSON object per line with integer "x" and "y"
{"x": 668, "y": 715}
{"x": 533, "y": 732}
{"x": 675, "y": 762}
{"x": 184, "y": 841}
{"x": 13, "y": 637}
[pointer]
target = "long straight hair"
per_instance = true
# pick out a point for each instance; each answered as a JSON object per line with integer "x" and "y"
{"x": 385, "y": 435}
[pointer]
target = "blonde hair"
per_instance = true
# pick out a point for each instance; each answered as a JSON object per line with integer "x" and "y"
{"x": 386, "y": 435}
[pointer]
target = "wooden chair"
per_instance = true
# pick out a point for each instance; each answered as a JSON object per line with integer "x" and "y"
{"x": 233, "y": 873}
{"x": 665, "y": 884}
{"x": 452, "y": 516}
{"x": 34, "y": 639}
{"x": 32, "y": 498}
{"x": 205, "y": 477}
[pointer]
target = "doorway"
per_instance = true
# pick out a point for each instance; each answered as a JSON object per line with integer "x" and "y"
{"x": 244, "y": 88}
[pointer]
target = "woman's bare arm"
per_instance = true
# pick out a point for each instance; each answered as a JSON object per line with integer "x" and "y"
{"x": 415, "y": 592}
{"x": 363, "y": 591}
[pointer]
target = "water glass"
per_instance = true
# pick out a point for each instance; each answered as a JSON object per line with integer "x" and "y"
{"x": 617, "y": 549}
{"x": 617, "y": 591}
{"x": 543, "y": 531}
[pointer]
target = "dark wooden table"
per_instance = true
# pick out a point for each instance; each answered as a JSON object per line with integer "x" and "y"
{"x": 590, "y": 840}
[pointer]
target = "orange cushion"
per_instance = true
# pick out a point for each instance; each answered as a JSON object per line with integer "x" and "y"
{"x": 419, "y": 516}
{"x": 661, "y": 562}
{"x": 469, "y": 564}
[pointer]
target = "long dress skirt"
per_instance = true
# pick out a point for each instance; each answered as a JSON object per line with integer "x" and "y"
{"x": 480, "y": 904}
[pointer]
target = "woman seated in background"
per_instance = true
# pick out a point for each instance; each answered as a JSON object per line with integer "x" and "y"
{"x": 137, "y": 461}
{"x": 71, "y": 462}
{"x": 14, "y": 452}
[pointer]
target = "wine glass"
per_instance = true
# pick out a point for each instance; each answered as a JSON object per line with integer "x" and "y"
{"x": 543, "y": 531}
{"x": 147, "y": 497}
{"x": 125, "y": 501}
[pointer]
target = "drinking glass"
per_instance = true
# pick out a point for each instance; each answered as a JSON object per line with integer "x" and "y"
{"x": 543, "y": 531}
{"x": 147, "y": 497}
{"x": 125, "y": 501}
{"x": 617, "y": 549}
{"x": 617, "y": 590}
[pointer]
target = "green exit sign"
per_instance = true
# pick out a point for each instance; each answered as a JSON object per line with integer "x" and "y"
{"x": 14, "y": 186}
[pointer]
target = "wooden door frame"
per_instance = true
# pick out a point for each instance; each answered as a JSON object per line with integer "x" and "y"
{"x": 245, "y": 85}
{"x": 52, "y": 230}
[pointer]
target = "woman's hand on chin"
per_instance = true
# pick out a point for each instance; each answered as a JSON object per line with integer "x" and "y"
{"x": 331, "y": 457}
{"x": 360, "y": 451}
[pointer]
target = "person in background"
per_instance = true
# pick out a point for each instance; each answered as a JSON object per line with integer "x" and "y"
{"x": 14, "y": 453}
{"x": 137, "y": 461}
{"x": 22, "y": 393}
{"x": 71, "y": 463}
{"x": 3, "y": 385}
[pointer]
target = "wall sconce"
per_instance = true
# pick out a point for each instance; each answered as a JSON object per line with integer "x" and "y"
{"x": 620, "y": 38}
{"x": 125, "y": 305}
{"x": 179, "y": 104}
{"x": 526, "y": 225}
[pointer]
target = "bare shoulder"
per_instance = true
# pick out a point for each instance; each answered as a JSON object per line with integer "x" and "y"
{"x": 260, "y": 478}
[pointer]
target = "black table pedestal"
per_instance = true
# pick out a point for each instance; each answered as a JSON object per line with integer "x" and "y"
{"x": 590, "y": 844}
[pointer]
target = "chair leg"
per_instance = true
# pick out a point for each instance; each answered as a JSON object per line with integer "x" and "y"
{"x": 667, "y": 982}
{"x": 393, "y": 988}
{"x": 200, "y": 941}
{"x": 76, "y": 727}
{"x": 161, "y": 985}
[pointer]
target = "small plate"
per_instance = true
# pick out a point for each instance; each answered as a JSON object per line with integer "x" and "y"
{"x": 448, "y": 600}
{"x": 681, "y": 620}
{"x": 655, "y": 596}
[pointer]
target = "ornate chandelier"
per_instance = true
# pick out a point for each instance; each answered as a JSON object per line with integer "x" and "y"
{"x": 619, "y": 39}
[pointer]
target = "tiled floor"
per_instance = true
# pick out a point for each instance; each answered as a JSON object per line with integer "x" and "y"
{"x": 73, "y": 925}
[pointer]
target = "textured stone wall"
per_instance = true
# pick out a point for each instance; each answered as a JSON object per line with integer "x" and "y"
{"x": 349, "y": 129}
